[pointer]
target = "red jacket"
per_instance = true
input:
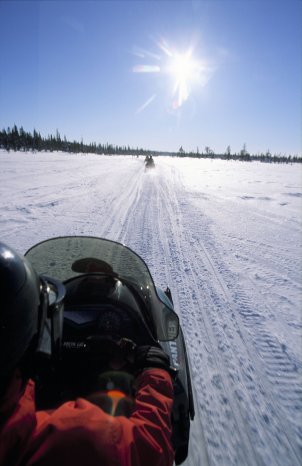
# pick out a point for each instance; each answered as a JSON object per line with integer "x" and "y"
{"x": 80, "y": 433}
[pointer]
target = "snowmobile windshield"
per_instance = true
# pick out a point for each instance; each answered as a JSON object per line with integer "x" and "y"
{"x": 66, "y": 257}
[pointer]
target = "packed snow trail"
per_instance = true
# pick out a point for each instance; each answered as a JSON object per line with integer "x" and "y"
{"x": 227, "y": 326}
{"x": 228, "y": 244}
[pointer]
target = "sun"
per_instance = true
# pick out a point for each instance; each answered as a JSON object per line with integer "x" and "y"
{"x": 185, "y": 71}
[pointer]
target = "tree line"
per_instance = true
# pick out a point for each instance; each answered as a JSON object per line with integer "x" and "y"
{"x": 17, "y": 139}
{"x": 242, "y": 155}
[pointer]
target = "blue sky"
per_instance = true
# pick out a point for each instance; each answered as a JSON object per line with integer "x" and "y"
{"x": 74, "y": 66}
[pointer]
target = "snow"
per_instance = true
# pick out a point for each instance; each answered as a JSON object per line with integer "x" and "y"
{"x": 226, "y": 237}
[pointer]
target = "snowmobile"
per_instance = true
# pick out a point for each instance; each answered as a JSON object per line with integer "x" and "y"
{"x": 149, "y": 162}
{"x": 110, "y": 300}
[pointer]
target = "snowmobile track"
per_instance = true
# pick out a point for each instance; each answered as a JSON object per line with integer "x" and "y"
{"x": 214, "y": 307}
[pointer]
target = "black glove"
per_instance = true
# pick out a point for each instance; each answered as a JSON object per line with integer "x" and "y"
{"x": 151, "y": 357}
{"x": 145, "y": 357}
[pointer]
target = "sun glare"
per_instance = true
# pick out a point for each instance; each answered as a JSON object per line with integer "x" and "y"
{"x": 185, "y": 71}
{"x": 182, "y": 67}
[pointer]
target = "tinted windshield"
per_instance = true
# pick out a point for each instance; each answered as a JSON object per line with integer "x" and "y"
{"x": 66, "y": 257}
{"x": 58, "y": 258}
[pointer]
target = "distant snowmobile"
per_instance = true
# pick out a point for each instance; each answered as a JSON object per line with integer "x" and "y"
{"x": 110, "y": 298}
{"x": 149, "y": 162}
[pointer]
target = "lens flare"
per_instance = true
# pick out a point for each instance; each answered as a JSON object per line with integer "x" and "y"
{"x": 146, "y": 104}
{"x": 184, "y": 70}
{"x": 146, "y": 69}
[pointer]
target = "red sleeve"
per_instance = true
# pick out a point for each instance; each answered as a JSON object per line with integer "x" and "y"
{"x": 79, "y": 432}
{"x": 17, "y": 428}
{"x": 148, "y": 431}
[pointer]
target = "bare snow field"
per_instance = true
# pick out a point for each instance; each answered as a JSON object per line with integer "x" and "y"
{"x": 226, "y": 237}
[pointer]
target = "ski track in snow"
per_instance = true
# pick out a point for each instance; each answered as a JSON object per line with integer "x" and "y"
{"x": 228, "y": 243}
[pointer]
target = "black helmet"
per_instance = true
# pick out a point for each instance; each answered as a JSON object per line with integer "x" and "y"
{"x": 24, "y": 308}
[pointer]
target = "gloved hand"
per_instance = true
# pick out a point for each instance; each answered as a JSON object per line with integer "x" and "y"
{"x": 145, "y": 357}
{"x": 151, "y": 357}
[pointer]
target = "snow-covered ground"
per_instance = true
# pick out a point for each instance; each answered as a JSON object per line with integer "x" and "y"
{"x": 226, "y": 237}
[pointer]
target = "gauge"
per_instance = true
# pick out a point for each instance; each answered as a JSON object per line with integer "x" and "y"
{"x": 110, "y": 323}
{"x": 116, "y": 322}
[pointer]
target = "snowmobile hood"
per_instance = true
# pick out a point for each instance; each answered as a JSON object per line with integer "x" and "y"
{"x": 69, "y": 256}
